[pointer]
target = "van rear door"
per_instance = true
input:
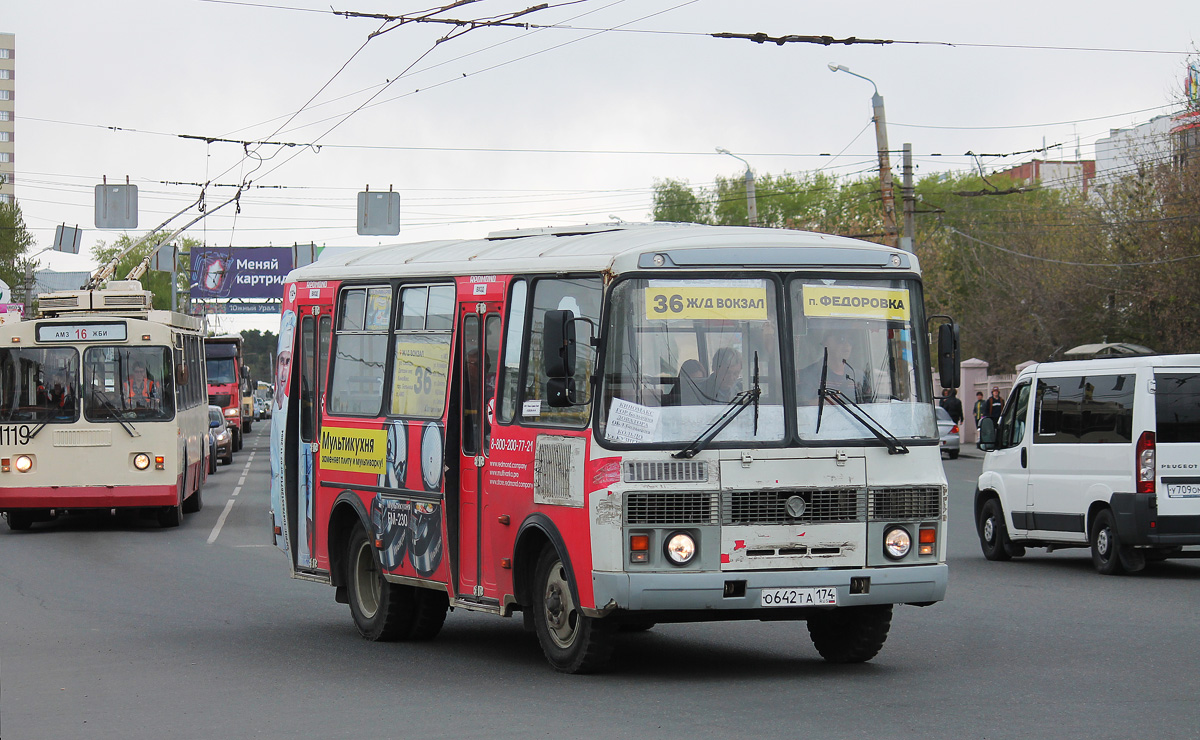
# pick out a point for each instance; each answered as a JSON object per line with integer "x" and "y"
{"x": 1177, "y": 438}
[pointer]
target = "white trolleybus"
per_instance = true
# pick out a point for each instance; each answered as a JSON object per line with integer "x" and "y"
{"x": 102, "y": 406}
{"x": 609, "y": 427}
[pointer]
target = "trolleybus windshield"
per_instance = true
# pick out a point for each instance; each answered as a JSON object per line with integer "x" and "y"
{"x": 128, "y": 383}
{"x": 39, "y": 385}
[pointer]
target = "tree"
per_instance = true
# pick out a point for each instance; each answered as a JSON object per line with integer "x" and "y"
{"x": 15, "y": 243}
{"x": 258, "y": 349}
{"x": 675, "y": 201}
{"x": 158, "y": 283}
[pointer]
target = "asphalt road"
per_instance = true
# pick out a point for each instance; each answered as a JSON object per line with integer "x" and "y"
{"x": 114, "y": 628}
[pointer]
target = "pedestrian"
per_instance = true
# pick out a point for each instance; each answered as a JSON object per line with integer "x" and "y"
{"x": 979, "y": 411}
{"x": 952, "y": 405}
{"x": 995, "y": 405}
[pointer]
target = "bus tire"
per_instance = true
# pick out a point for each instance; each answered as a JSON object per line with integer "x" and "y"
{"x": 382, "y": 611}
{"x": 19, "y": 521}
{"x": 429, "y": 614}
{"x": 572, "y": 642}
{"x": 850, "y": 634}
{"x": 193, "y": 503}
{"x": 1106, "y": 546}
{"x": 246, "y": 426}
{"x": 237, "y": 438}
{"x": 993, "y": 534}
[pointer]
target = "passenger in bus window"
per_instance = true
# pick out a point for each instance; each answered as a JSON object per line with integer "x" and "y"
{"x": 840, "y": 372}
{"x": 61, "y": 394}
{"x": 691, "y": 376}
{"x": 141, "y": 391}
{"x": 724, "y": 382}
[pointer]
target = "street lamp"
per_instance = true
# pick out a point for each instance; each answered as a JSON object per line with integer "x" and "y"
{"x": 751, "y": 200}
{"x": 885, "y": 166}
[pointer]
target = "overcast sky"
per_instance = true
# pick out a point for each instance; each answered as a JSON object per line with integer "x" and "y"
{"x": 504, "y": 127}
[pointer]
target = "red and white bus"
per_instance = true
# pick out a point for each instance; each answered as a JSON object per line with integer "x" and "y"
{"x": 609, "y": 427}
{"x": 102, "y": 406}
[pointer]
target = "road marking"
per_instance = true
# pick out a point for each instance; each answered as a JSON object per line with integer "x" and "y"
{"x": 237, "y": 490}
{"x": 242, "y": 480}
{"x": 220, "y": 522}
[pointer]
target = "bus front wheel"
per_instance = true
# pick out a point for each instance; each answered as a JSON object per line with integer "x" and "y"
{"x": 851, "y": 634}
{"x": 19, "y": 521}
{"x": 572, "y": 642}
{"x": 382, "y": 611}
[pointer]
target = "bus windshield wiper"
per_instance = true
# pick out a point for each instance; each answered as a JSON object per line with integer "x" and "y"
{"x": 894, "y": 445}
{"x": 735, "y": 407}
{"x": 129, "y": 428}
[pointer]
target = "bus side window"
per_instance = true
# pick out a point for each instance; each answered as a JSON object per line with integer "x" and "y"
{"x": 580, "y": 296}
{"x": 307, "y": 381}
{"x": 421, "y": 356}
{"x": 357, "y": 374}
{"x": 510, "y": 380}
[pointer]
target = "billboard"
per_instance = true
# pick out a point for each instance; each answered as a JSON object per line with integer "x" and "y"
{"x": 254, "y": 273}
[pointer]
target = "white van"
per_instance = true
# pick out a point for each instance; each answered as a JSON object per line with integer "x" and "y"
{"x": 1095, "y": 453}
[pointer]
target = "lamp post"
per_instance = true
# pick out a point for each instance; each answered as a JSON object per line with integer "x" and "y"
{"x": 751, "y": 201}
{"x": 885, "y": 166}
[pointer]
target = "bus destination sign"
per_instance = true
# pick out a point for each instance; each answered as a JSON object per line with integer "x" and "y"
{"x": 114, "y": 332}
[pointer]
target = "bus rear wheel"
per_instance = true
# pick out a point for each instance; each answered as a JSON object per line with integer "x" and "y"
{"x": 382, "y": 611}
{"x": 851, "y": 634}
{"x": 19, "y": 521}
{"x": 572, "y": 642}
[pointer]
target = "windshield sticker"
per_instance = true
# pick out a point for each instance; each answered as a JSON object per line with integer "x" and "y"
{"x": 631, "y": 422}
{"x": 691, "y": 302}
{"x": 849, "y": 302}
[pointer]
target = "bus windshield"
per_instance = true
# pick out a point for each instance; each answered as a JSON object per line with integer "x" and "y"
{"x": 39, "y": 385}
{"x": 128, "y": 383}
{"x": 859, "y": 337}
{"x": 682, "y": 351}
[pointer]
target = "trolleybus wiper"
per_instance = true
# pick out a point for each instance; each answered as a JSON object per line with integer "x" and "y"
{"x": 894, "y": 445}
{"x": 129, "y": 428}
{"x": 735, "y": 407}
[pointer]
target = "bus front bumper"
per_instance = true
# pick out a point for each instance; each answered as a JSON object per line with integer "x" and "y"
{"x": 87, "y": 497}
{"x": 706, "y": 591}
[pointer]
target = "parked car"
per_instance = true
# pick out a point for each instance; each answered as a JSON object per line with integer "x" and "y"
{"x": 220, "y": 439}
{"x": 948, "y": 431}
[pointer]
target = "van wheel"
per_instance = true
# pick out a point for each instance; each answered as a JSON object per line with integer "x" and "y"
{"x": 572, "y": 642}
{"x": 993, "y": 534}
{"x": 1106, "y": 545}
{"x": 850, "y": 634}
{"x": 382, "y": 611}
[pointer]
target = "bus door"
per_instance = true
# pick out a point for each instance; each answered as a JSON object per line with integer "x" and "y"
{"x": 478, "y": 358}
{"x": 312, "y": 354}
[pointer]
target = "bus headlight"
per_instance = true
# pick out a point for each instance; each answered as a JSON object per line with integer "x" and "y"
{"x": 680, "y": 548}
{"x": 896, "y": 543}
{"x": 141, "y": 461}
{"x": 23, "y": 463}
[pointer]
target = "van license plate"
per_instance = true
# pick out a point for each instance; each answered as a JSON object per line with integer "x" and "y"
{"x": 820, "y": 596}
{"x": 1183, "y": 490}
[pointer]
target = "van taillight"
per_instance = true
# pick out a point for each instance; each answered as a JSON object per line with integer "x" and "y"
{"x": 1145, "y": 463}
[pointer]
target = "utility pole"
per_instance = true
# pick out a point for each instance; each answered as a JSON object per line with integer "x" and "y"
{"x": 885, "y": 165}
{"x": 910, "y": 227}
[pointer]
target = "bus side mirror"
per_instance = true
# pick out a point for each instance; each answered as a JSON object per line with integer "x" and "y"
{"x": 949, "y": 356}
{"x": 987, "y": 434}
{"x": 558, "y": 344}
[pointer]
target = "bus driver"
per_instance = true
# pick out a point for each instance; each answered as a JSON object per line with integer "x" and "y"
{"x": 141, "y": 391}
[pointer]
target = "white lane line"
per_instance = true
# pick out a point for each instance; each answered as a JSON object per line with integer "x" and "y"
{"x": 220, "y": 522}
{"x": 237, "y": 490}
{"x": 242, "y": 481}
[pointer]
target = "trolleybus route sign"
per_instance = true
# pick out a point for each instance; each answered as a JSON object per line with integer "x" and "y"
{"x": 114, "y": 332}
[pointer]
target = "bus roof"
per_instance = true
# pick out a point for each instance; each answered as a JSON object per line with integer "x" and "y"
{"x": 615, "y": 247}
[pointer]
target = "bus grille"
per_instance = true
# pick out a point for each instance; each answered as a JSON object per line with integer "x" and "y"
{"x": 219, "y": 399}
{"x": 83, "y": 438}
{"x": 922, "y": 502}
{"x": 689, "y": 471}
{"x": 671, "y": 507}
{"x": 770, "y": 507}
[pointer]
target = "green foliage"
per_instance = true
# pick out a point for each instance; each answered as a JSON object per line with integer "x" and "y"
{"x": 15, "y": 243}
{"x": 158, "y": 283}
{"x": 259, "y": 353}
{"x": 1028, "y": 271}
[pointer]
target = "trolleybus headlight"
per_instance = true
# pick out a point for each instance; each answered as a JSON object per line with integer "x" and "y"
{"x": 681, "y": 548}
{"x": 141, "y": 461}
{"x": 897, "y": 542}
{"x": 24, "y": 463}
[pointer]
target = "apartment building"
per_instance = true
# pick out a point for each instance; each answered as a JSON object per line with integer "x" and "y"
{"x": 8, "y": 65}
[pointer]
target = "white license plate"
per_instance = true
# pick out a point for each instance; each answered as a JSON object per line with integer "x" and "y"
{"x": 1183, "y": 490}
{"x": 820, "y": 596}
